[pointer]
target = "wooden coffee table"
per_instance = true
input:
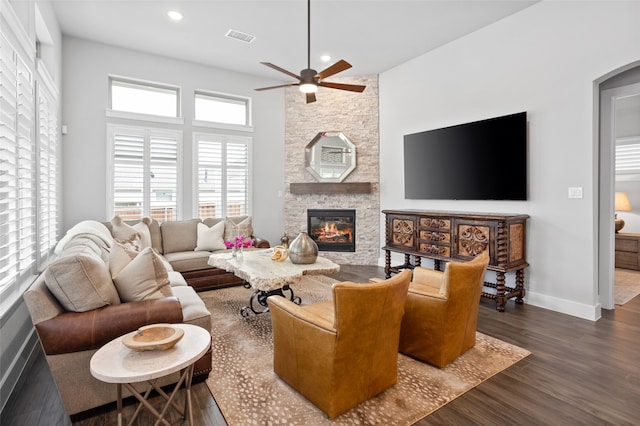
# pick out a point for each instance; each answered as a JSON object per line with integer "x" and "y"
{"x": 268, "y": 277}
{"x": 116, "y": 363}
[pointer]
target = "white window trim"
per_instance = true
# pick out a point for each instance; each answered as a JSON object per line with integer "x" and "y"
{"x": 196, "y": 189}
{"x": 144, "y": 117}
{"x": 141, "y": 130}
{"x": 222, "y": 126}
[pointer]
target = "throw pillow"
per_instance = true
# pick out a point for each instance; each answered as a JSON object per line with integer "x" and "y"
{"x": 145, "y": 277}
{"x": 119, "y": 257}
{"x": 124, "y": 233}
{"x": 210, "y": 239}
{"x": 81, "y": 281}
{"x": 238, "y": 227}
{"x": 143, "y": 230}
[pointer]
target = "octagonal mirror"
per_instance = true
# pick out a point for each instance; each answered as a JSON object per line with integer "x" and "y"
{"x": 330, "y": 157}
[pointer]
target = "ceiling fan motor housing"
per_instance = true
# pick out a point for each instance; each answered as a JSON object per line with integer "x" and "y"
{"x": 308, "y": 76}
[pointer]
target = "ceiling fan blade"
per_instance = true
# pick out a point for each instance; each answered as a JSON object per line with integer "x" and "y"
{"x": 349, "y": 87}
{"x": 276, "y": 87}
{"x": 311, "y": 97}
{"x": 277, "y": 68}
{"x": 339, "y": 66}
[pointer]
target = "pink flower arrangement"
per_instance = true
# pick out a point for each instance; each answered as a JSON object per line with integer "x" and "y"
{"x": 239, "y": 242}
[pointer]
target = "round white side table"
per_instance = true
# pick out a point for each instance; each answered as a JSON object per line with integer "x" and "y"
{"x": 116, "y": 363}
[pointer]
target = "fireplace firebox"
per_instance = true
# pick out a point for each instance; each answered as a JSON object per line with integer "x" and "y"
{"x": 332, "y": 230}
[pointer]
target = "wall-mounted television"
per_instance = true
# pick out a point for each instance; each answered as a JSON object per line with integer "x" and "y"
{"x": 482, "y": 160}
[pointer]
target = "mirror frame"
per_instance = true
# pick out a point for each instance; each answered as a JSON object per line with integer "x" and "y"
{"x": 330, "y": 157}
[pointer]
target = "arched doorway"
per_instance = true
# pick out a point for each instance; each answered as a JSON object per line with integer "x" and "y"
{"x": 614, "y": 89}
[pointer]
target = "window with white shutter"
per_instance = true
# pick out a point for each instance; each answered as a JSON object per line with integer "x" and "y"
{"x": 48, "y": 171}
{"x": 628, "y": 156}
{"x": 223, "y": 175}
{"x": 144, "y": 172}
{"x": 17, "y": 169}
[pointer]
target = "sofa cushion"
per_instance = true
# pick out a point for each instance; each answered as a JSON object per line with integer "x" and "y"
{"x": 209, "y": 239}
{"x": 145, "y": 277}
{"x": 176, "y": 279}
{"x": 179, "y": 235}
{"x": 188, "y": 260}
{"x": 193, "y": 307}
{"x": 80, "y": 281}
{"x": 238, "y": 226}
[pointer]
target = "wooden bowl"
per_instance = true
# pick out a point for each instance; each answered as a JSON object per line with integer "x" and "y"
{"x": 155, "y": 337}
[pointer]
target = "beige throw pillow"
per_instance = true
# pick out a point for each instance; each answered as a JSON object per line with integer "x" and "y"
{"x": 145, "y": 277}
{"x": 119, "y": 257}
{"x": 210, "y": 239}
{"x": 137, "y": 235}
{"x": 238, "y": 227}
{"x": 81, "y": 281}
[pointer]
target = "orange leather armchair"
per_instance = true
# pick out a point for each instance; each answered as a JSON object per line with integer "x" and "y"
{"x": 344, "y": 351}
{"x": 441, "y": 312}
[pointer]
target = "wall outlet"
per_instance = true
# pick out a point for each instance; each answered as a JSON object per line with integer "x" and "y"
{"x": 575, "y": 192}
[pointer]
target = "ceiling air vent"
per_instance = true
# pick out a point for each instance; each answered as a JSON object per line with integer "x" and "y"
{"x": 239, "y": 35}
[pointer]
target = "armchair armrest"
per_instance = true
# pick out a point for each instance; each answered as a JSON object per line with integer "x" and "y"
{"x": 80, "y": 331}
{"x": 301, "y": 313}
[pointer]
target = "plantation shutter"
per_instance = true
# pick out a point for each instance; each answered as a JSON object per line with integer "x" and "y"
{"x": 628, "y": 156}
{"x": 47, "y": 167}
{"x": 237, "y": 179}
{"x": 210, "y": 179}
{"x": 145, "y": 173}
{"x": 223, "y": 175}
{"x": 17, "y": 159}
{"x": 163, "y": 178}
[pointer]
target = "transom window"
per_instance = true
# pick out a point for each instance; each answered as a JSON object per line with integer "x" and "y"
{"x": 144, "y": 98}
{"x": 216, "y": 108}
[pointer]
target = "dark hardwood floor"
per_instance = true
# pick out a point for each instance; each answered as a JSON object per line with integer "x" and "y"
{"x": 579, "y": 373}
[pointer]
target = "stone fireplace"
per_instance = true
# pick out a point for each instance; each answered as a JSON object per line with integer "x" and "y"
{"x": 356, "y": 116}
{"x": 332, "y": 230}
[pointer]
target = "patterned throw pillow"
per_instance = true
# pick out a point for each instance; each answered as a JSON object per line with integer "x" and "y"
{"x": 239, "y": 226}
{"x": 145, "y": 277}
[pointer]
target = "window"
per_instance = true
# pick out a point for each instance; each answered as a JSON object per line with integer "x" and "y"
{"x": 223, "y": 181}
{"x": 224, "y": 109}
{"x": 47, "y": 169}
{"x": 145, "y": 172}
{"x": 144, "y": 98}
{"x": 628, "y": 155}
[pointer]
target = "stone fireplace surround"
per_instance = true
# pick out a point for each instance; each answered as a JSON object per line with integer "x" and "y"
{"x": 356, "y": 115}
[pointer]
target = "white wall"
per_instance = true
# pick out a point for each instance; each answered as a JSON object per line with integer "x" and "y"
{"x": 543, "y": 60}
{"x": 86, "y": 68}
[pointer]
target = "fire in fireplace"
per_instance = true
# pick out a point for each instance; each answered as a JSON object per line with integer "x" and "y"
{"x": 332, "y": 230}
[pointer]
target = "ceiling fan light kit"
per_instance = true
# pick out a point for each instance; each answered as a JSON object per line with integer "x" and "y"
{"x": 309, "y": 79}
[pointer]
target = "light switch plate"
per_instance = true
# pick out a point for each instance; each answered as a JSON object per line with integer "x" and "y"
{"x": 575, "y": 192}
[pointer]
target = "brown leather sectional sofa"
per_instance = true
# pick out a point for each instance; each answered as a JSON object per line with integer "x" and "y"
{"x": 70, "y": 338}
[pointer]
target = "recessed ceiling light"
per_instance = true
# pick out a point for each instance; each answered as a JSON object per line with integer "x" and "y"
{"x": 175, "y": 15}
{"x": 325, "y": 58}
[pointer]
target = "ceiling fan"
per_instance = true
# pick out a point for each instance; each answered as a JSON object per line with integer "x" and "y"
{"x": 309, "y": 79}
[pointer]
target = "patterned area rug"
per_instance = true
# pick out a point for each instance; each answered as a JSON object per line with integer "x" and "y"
{"x": 627, "y": 285}
{"x": 248, "y": 392}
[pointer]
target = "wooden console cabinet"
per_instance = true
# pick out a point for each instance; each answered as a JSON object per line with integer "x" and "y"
{"x": 449, "y": 236}
{"x": 628, "y": 251}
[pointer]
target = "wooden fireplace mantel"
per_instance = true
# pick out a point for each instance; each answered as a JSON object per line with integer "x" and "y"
{"x": 331, "y": 188}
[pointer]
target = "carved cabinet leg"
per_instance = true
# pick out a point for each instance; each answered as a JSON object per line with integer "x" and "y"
{"x": 417, "y": 261}
{"x": 500, "y": 288}
{"x": 520, "y": 286}
{"x": 387, "y": 264}
{"x": 436, "y": 264}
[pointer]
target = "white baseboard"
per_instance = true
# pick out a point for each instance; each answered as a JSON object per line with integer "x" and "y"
{"x": 569, "y": 307}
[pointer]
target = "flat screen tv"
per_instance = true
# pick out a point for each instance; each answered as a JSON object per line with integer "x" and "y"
{"x": 483, "y": 160}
